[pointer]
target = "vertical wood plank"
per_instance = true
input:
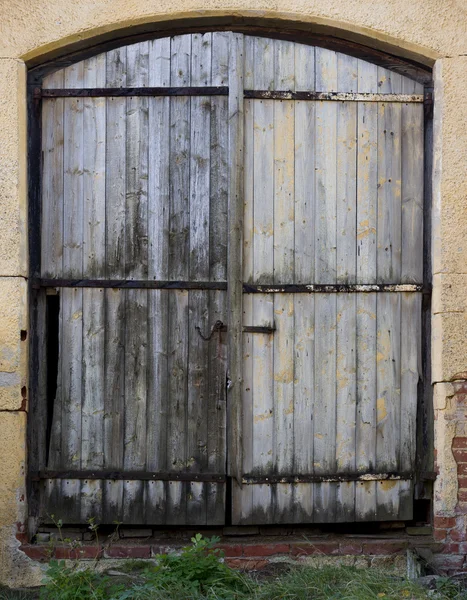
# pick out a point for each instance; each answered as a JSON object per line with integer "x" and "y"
{"x": 367, "y": 181}
{"x": 94, "y": 163}
{"x": 389, "y": 228}
{"x": 388, "y": 387}
{"x": 115, "y": 205}
{"x": 115, "y": 168}
{"x": 179, "y": 246}
{"x": 412, "y": 193}
{"x": 219, "y": 149}
{"x": 346, "y": 392}
{"x": 52, "y": 180}
{"x": 158, "y": 268}
{"x": 324, "y": 453}
{"x": 304, "y": 309}
{"x": 73, "y": 193}
{"x": 411, "y": 373}
{"x": 283, "y": 264}
{"x": 235, "y": 250}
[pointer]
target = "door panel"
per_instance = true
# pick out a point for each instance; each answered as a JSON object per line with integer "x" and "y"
{"x": 143, "y": 198}
{"x": 329, "y": 396}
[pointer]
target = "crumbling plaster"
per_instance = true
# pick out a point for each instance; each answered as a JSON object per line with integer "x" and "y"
{"x": 426, "y": 30}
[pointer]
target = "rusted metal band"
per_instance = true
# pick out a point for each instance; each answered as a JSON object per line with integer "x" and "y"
{"x": 326, "y": 478}
{"x": 129, "y": 284}
{"x": 337, "y": 96}
{"x": 314, "y": 288}
{"x": 128, "y": 475}
{"x": 134, "y": 91}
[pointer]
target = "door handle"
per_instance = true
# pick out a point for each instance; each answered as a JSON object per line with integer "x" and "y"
{"x": 219, "y": 326}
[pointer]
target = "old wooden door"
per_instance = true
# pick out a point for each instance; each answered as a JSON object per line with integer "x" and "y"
{"x": 217, "y": 187}
{"x": 134, "y": 234}
{"x": 332, "y": 262}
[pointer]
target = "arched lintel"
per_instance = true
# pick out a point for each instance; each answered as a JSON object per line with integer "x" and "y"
{"x": 389, "y": 56}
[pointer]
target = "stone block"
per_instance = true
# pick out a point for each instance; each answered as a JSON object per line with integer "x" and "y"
{"x": 13, "y": 168}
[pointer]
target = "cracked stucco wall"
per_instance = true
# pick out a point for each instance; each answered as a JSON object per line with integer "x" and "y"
{"x": 426, "y": 30}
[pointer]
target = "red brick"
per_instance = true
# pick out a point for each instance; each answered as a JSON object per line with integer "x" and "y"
{"x": 384, "y": 548}
{"x": 308, "y": 548}
{"x": 128, "y": 552}
{"x": 462, "y": 495}
{"x": 462, "y": 481}
{"x": 265, "y": 549}
{"x": 445, "y": 562}
{"x": 450, "y": 549}
{"x": 459, "y": 442}
{"x": 245, "y": 564}
{"x": 460, "y": 454}
{"x": 62, "y": 552}
{"x": 350, "y": 549}
{"x": 440, "y": 534}
{"x": 40, "y": 553}
{"x": 457, "y": 536}
{"x": 444, "y": 522}
{"x": 462, "y": 469}
{"x": 230, "y": 550}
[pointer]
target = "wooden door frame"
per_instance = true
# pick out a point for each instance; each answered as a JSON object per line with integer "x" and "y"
{"x": 37, "y": 421}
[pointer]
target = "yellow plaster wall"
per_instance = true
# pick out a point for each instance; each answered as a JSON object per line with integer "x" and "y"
{"x": 433, "y": 32}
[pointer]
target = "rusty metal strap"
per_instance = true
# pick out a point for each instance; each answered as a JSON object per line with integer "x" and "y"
{"x": 314, "y": 288}
{"x": 336, "y": 96}
{"x": 335, "y": 478}
{"x": 128, "y": 475}
{"x": 248, "y": 288}
{"x": 129, "y": 284}
{"x": 134, "y": 91}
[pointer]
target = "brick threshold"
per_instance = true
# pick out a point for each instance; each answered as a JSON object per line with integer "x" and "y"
{"x": 245, "y": 553}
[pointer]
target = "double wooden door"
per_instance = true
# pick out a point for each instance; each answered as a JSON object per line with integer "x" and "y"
{"x": 232, "y": 257}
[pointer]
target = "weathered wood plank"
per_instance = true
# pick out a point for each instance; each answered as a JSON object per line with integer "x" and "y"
{"x": 412, "y": 193}
{"x": 73, "y": 188}
{"x": 367, "y": 182}
{"x": 217, "y": 348}
{"x": 137, "y": 154}
{"x": 346, "y": 190}
{"x": 389, "y": 241}
{"x": 388, "y": 381}
{"x": 52, "y": 181}
{"x": 115, "y": 168}
{"x": 235, "y": 249}
{"x": 411, "y": 373}
{"x": 94, "y": 163}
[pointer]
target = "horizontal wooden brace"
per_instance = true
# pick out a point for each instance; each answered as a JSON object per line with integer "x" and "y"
{"x": 130, "y": 284}
{"x": 337, "y": 96}
{"x": 128, "y": 475}
{"x": 318, "y": 288}
{"x": 135, "y": 91}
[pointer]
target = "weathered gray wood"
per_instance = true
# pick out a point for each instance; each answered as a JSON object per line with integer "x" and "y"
{"x": 235, "y": 249}
{"x": 217, "y": 348}
{"x": 389, "y": 241}
{"x": 137, "y": 154}
{"x": 412, "y": 193}
{"x": 52, "y": 181}
{"x": 198, "y": 349}
{"x": 73, "y": 191}
{"x": 283, "y": 258}
{"x": 388, "y": 381}
{"x": 367, "y": 182}
{"x": 115, "y": 168}
{"x": 346, "y": 380}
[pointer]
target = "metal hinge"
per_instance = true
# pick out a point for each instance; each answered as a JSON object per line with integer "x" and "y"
{"x": 428, "y": 103}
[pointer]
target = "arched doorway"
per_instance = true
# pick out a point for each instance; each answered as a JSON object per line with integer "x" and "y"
{"x": 231, "y": 282}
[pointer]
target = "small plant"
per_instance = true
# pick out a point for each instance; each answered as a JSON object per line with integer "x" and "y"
{"x": 199, "y": 568}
